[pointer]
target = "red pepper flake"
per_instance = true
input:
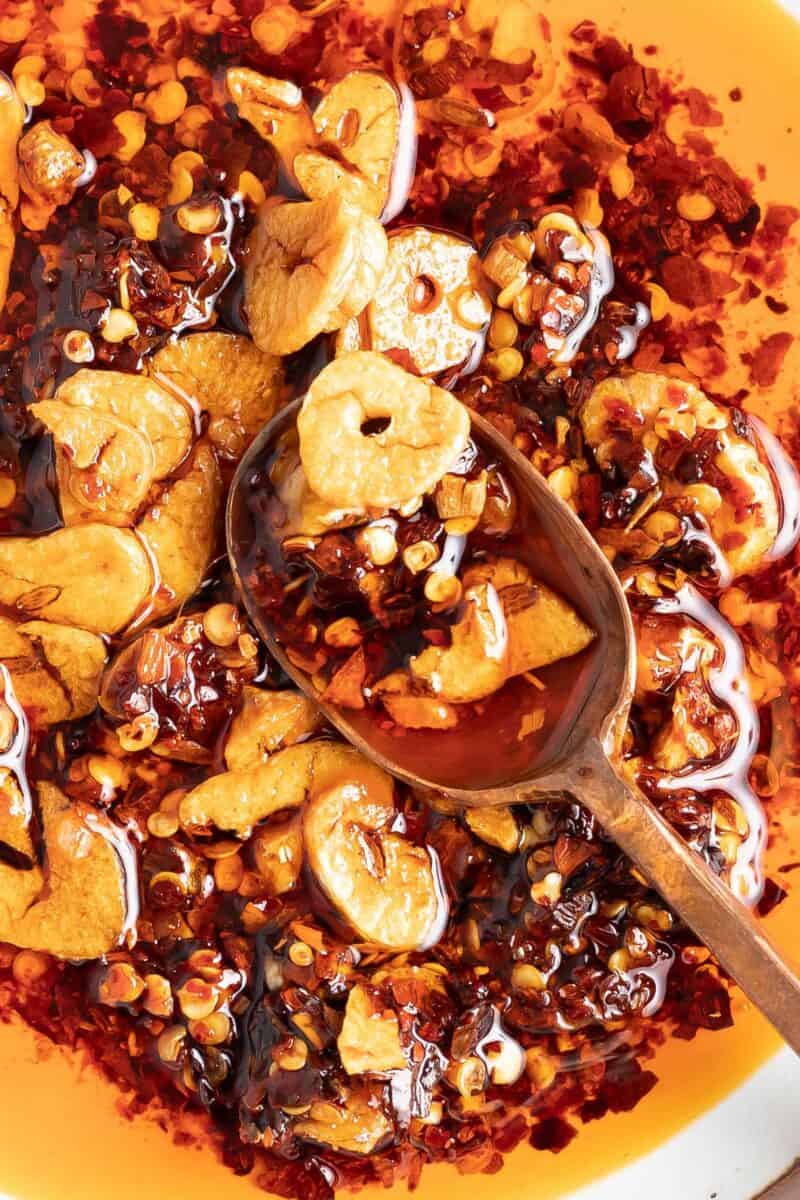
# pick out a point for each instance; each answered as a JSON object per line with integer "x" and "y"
{"x": 765, "y": 363}
{"x": 552, "y": 1134}
{"x": 701, "y": 111}
{"x": 692, "y": 283}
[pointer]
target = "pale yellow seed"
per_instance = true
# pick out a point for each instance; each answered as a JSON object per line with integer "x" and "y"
{"x": 707, "y": 498}
{"x": 503, "y": 330}
{"x": 162, "y": 825}
{"x": 664, "y": 527}
{"x": 29, "y": 64}
{"x": 293, "y": 1057}
{"x": 118, "y": 326}
{"x": 378, "y": 543}
{"x": 144, "y": 220}
{"x": 509, "y": 293}
{"x": 182, "y": 185}
{"x": 443, "y": 591}
{"x": 275, "y": 28}
{"x": 200, "y": 219}
{"x": 157, "y": 998}
{"x": 138, "y": 734}
{"x": 619, "y": 961}
{"x": 547, "y": 890}
{"x": 251, "y": 189}
{"x": 85, "y": 88}
{"x": 564, "y": 482}
{"x": 505, "y": 364}
{"x": 78, "y": 346}
{"x": 211, "y": 1031}
{"x": 188, "y": 68}
{"x": 29, "y": 966}
{"x": 132, "y": 127}
{"x": 301, "y": 954}
{"x": 166, "y": 102}
{"x": 658, "y": 301}
{"x": 170, "y": 1043}
{"x": 120, "y": 985}
{"x": 588, "y": 209}
{"x": 30, "y": 91}
{"x": 221, "y": 624}
{"x": 460, "y": 525}
{"x": 621, "y": 179}
{"x": 469, "y": 1077}
{"x": 107, "y": 771}
{"x": 696, "y": 206}
{"x": 420, "y": 556}
{"x": 197, "y": 999}
{"x": 8, "y": 491}
{"x": 527, "y": 977}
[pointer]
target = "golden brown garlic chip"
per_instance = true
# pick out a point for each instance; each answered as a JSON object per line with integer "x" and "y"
{"x": 383, "y": 885}
{"x": 367, "y": 144}
{"x": 432, "y": 307}
{"x": 50, "y": 166}
{"x": 428, "y": 429}
{"x": 657, "y": 411}
{"x": 180, "y": 531}
{"x": 12, "y": 118}
{"x": 310, "y": 268}
{"x": 475, "y": 664}
{"x": 369, "y": 1040}
{"x": 229, "y": 378}
{"x": 55, "y": 669}
{"x": 105, "y": 467}
{"x": 495, "y": 826}
{"x": 140, "y": 403}
{"x": 92, "y": 576}
{"x": 352, "y": 1126}
{"x": 266, "y": 722}
{"x": 278, "y": 853}
{"x": 237, "y": 800}
{"x": 276, "y": 110}
{"x": 78, "y": 906}
{"x": 542, "y": 626}
{"x": 14, "y": 816}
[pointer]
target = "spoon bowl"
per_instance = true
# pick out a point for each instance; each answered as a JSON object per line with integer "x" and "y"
{"x": 583, "y": 763}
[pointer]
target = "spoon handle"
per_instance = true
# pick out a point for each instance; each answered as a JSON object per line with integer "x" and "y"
{"x": 700, "y": 898}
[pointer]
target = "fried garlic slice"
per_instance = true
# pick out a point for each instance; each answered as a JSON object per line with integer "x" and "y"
{"x": 229, "y": 378}
{"x": 91, "y": 576}
{"x": 310, "y": 267}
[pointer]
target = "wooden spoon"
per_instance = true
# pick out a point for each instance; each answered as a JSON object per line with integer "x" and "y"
{"x": 585, "y": 765}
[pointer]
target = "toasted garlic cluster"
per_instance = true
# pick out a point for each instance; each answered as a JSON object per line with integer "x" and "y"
{"x": 323, "y": 265}
{"x": 343, "y": 800}
{"x": 725, "y": 486}
{"x": 552, "y": 275}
